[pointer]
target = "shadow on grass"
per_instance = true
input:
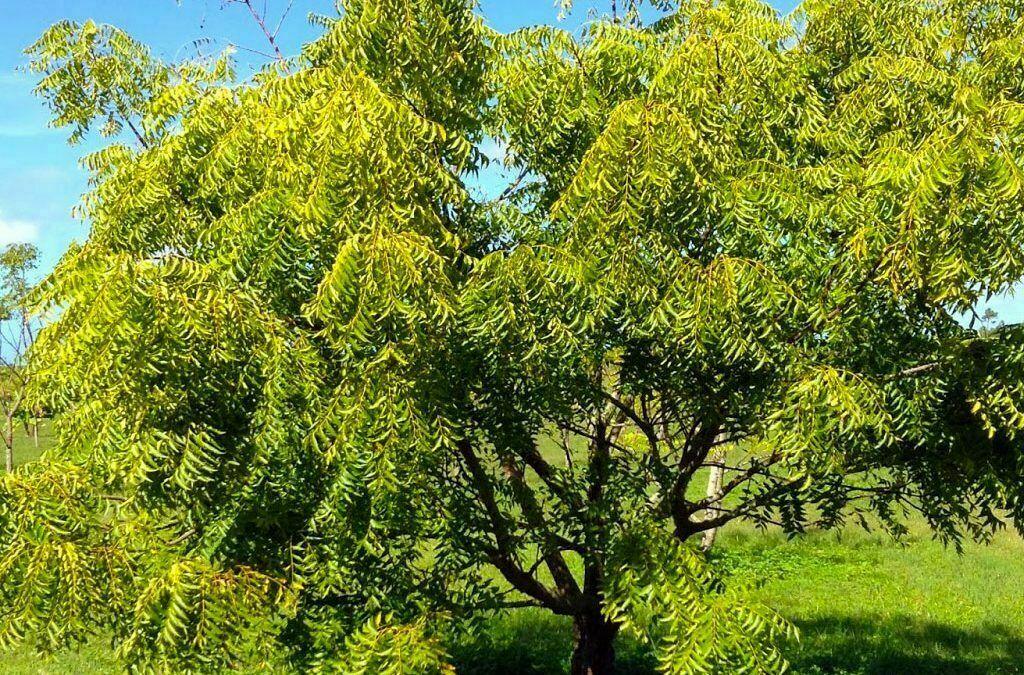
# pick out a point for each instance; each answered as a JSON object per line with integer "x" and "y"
{"x": 532, "y": 643}
{"x": 904, "y": 644}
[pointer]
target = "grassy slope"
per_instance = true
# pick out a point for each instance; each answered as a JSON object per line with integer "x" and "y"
{"x": 864, "y": 605}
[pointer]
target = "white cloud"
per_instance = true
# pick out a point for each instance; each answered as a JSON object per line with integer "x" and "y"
{"x": 13, "y": 231}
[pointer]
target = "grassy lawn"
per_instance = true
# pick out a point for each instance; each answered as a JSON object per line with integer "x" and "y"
{"x": 864, "y": 606}
{"x": 867, "y": 605}
{"x": 25, "y": 448}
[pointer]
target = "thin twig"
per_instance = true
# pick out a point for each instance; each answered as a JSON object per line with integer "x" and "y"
{"x": 263, "y": 27}
{"x": 914, "y": 371}
{"x": 280, "y": 21}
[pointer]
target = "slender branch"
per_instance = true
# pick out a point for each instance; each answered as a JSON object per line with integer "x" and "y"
{"x": 754, "y": 470}
{"x": 135, "y": 130}
{"x": 579, "y": 58}
{"x": 643, "y": 425}
{"x": 184, "y": 536}
{"x": 258, "y": 52}
{"x": 263, "y": 27}
{"x": 502, "y": 557}
{"x": 511, "y": 189}
{"x": 914, "y": 371}
{"x": 553, "y": 559}
{"x": 549, "y": 475}
{"x": 728, "y": 515}
{"x": 566, "y": 448}
{"x": 280, "y": 22}
{"x": 583, "y": 433}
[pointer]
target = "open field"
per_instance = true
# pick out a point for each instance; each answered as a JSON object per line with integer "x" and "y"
{"x": 864, "y": 604}
{"x": 25, "y": 449}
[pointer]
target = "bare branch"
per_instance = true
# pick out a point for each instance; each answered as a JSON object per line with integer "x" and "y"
{"x": 258, "y": 52}
{"x": 511, "y": 189}
{"x": 280, "y": 22}
{"x": 260, "y": 20}
{"x": 914, "y": 371}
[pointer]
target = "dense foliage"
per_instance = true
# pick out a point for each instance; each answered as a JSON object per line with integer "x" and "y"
{"x": 320, "y": 401}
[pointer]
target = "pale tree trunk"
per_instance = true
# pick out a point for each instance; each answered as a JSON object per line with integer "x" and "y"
{"x": 9, "y": 442}
{"x": 714, "y": 493}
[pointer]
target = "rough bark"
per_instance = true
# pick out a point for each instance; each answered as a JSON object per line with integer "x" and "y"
{"x": 594, "y": 653}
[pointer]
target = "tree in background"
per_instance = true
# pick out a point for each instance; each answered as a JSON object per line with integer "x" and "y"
{"x": 17, "y": 333}
{"x": 320, "y": 401}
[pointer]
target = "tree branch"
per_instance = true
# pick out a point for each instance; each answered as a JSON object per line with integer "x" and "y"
{"x": 915, "y": 371}
{"x": 549, "y": 476}
{"x": 647, "y": 428}
{"x": 261, "y": 22}
{"x": 502, "y": 557}
{"x": 565, "y": 581}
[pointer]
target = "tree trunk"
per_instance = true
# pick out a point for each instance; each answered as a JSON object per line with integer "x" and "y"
{"x": 594, "y": 653}
{"x": 714, "y": 495}
{"x": 9, "y": 442}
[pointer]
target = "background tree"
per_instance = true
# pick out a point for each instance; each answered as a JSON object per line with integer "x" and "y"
{"x": 316, "y": 392}
{"x": 17, "y": 333}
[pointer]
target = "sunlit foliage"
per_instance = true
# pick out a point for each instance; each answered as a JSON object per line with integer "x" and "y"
{"x": 321, "y": 401}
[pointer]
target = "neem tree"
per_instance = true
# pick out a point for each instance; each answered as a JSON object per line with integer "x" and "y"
{"x": 318, "y": 402}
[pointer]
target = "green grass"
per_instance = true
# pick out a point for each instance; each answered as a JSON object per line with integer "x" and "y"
{"x": 90, "y": 660}
{"x": 97, "y": 658}
{"x": 864, "y": 605}
{"x": 25, "y": 448}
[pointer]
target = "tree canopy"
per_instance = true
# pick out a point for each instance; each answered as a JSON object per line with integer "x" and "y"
{"x": 321, "y": 400}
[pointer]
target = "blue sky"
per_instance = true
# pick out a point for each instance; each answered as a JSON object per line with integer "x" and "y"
{"x": 40, "y": 179}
